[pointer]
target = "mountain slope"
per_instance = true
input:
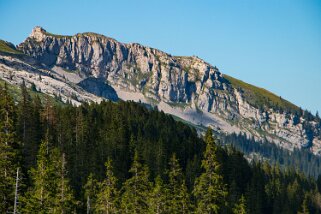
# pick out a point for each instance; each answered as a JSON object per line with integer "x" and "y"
{"x": 88, "y": 66}
{"x": 261, "y": 98}
{"x": 6, "y": 47}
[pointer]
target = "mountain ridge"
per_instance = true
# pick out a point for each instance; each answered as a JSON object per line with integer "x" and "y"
{"x": 187, "y": 87}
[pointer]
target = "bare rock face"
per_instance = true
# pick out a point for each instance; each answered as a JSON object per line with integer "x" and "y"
{"x": 132, "y": 66}
{"x": 184, "y": 86}
{"x": 38, "y": 33}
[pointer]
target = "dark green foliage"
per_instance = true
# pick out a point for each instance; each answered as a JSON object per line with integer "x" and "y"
{"x": 296, "y": 119}
{"x": 158, "y": 197}
{"x": 240, "y": 207}
{"x": 91, "y": 190}
{"x": 8, "y": 151}
{"x": 39, "y": 196}
{"x": 28, "y": 126}
{"x": 64, "y": 199}
{"x": 33, "y": 88}
{"x": 67, "y": 173}
{"x": 50, "y": 191}
{"x": 209, "y": 190}
{"x": 108, "y": 195}
{"x": 178, "y": 198}
{"x": 136, "y": 189}
{"x": 301, "y": 160}
{"x": 304, "y": 206}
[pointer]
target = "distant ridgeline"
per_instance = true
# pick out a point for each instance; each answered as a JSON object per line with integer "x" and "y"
{"x": 124, "y": 158}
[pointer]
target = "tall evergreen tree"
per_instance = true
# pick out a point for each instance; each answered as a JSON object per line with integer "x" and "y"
{"x": 37, "y": 108}
{"x": 255, "y": 193}
{"x": 108, "y": 195}
{"x": 179, "y": 201}
{"x": 240, "y": 207}
{"x": 91, "y": 192}
{"x": 304, "y": 206}
{"x": 25, "y": 110}
{"x": 27, "y": 128}
{"x": 136, "y": 188}
{"x": 209, "y": 190}
{"x": 48, "y": 118}
{"x": 64, "y": 199}
{"x": 8, "y": 152}
{"x": 157, "y": 201}
{"x": 50, "y": 192}
{"x": 39, "y": 199}
{"x": 294, "y": 194}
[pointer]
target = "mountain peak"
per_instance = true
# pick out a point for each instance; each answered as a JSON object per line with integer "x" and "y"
{"x": 38, "y": 33}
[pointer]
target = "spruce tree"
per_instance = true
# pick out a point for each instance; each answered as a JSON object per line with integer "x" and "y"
{"x": 48, "y": 119}
{"x": 136, "y": 188}
{"x": 209, "y": 190}
{"x": 64, "y": 199}
{"x": 8, "y": 152}
{"x": 304, "y": 206}
{"x": 179, "y": 198}
{"x": 50, "y": 192}
{"x": 240, "y": 207}
{"x": 39, "y": 199}
{"x": 91, "y": 192}
{"x": 157, "y": 202}
{"x": 25, "y": 126}
{"x": 108, "y": 195}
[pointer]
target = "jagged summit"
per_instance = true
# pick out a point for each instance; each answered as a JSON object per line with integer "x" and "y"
{"x": 37, "y": 29}
{"x": 38, "y": 33}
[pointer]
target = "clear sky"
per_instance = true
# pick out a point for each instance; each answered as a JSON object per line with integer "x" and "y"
{"x": 274, "y": 44}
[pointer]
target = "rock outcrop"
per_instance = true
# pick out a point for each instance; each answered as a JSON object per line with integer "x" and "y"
{"x": 132, "y": 66}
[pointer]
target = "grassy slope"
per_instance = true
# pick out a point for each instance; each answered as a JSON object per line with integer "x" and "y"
{"x": 4, "y": 47}
{"x": 260, "y": 97}
{"x": 78, "y": 34}
{"x": 57, "y": 35}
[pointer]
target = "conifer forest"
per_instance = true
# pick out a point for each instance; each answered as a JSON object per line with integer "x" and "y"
{"x": 124, "y": 157}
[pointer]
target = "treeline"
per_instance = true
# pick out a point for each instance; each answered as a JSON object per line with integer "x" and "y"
{"x": 124, "y": 158}
{"x": 299, "y": 160}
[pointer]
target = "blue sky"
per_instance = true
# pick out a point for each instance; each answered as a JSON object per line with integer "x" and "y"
{"x": 274, "y": 44}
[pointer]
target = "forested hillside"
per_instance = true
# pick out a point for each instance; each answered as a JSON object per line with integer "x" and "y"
{"x": 124, "y": 158}
{"x": 302, "y": 160}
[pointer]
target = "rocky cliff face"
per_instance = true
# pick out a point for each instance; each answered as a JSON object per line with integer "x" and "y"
{"x": 187, "y": 87}
{"x": 132, "y": 66}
